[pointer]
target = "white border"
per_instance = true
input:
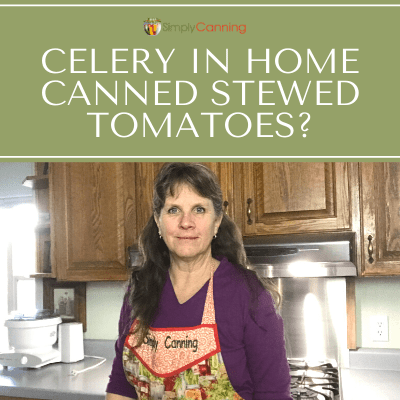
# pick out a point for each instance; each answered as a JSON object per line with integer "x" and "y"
{"x": 202, "y": 5}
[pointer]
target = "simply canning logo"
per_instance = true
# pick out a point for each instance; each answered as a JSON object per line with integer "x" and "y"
{"x": 204, "y": 27}
{"x": 152, "y": 26}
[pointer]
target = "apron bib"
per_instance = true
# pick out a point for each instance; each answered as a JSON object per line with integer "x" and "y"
{"x": 179, "y": 363}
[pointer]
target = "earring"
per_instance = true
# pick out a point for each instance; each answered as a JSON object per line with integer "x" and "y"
{"x": 215, "y": 236}
{"x": 159, "y": 233}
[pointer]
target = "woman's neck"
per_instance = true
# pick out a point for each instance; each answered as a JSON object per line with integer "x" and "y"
{"x": 192, "y": 266}
{"x": 188, "y": 277}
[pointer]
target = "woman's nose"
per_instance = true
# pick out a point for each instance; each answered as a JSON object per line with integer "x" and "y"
{"x": 186, "y": 221}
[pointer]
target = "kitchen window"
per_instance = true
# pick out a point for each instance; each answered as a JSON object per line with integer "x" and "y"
{"x": 18, "y": 219}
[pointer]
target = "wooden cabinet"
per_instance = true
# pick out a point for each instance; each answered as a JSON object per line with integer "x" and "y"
{"x": 98, "y": 209}
{"x": 40, "y": 184}
{"x": 93, "y": 219}
{"x": 380, "y": 218}
{"x": 293, "y": 197}
{"x": 144, "y": 178}
{"x": 15, "y": 398}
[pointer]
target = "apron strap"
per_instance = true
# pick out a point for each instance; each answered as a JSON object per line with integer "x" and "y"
{"x": 209, "y": 311}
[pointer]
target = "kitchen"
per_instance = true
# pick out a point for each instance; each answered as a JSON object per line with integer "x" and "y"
{"x": 334, "y": 202}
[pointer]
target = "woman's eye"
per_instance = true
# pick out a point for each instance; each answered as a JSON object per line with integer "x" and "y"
{"x": 172, "y": 210}
{"x": 200, "y": 210}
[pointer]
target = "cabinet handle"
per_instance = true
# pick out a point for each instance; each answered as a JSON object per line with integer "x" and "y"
{"x": 370, "y": 249}
{"x": 249, "y": 220}
{"x": 226, "y": 204}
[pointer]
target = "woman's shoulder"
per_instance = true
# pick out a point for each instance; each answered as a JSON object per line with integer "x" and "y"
{"x": 241, "y": 284}
{"x": 241, "y": 299}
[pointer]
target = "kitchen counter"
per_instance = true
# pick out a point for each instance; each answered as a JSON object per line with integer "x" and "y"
{"x": 374, "y": 374}
{"x": 370, "y": 384}
{"x": 53, "y": 382}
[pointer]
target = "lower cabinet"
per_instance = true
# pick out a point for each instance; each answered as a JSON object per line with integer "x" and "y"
{"x": 15, "y": 398}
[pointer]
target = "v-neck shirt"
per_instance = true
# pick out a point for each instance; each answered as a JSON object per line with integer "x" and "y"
{"x": 252, "y": 347}
{"x": 190, "y": 311}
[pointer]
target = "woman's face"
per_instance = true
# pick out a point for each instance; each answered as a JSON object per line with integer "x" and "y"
{"x": 187, "y": 223}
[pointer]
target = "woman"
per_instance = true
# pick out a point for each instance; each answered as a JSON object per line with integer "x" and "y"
{"x": 196, "y": 323}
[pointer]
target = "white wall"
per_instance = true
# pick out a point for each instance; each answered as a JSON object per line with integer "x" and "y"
{"x": 378, "y": 296}
{"x": 12, "y": 175}
{"x": 103, "y": 306}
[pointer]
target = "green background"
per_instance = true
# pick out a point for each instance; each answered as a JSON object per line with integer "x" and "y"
{"x": 32, "y": 129}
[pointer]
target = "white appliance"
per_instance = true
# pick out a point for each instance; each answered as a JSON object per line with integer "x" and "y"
{"x": 33, "y": 341}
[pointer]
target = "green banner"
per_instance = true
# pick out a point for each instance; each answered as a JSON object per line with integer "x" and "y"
{"x": 133, "y": 82}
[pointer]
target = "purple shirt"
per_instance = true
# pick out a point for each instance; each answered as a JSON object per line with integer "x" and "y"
{"x": 253, "y": 349}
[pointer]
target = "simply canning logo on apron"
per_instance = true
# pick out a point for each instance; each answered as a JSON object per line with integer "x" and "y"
{"x": 179, "y": 363}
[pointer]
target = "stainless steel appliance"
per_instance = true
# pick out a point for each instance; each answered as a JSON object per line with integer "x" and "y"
{"x": 310, "y": 271}
{"x": 314, "y": 381}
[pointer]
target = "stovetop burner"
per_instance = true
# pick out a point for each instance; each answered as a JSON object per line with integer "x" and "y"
{"x": 303, "y": 394}
{"x": 314, "y": 380}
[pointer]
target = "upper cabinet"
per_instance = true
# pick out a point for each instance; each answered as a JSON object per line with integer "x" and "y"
{"x": 292, "y": 197}
{"x": 40, "y": 184}
{"x": 380, "y": 218}
{"x": 144, "y": 179}
{"x": 93, "y": 208}
{"x": 99, "y": 209}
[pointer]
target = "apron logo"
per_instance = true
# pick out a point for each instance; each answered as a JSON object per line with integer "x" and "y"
{"x": 151, "y": 341}
{"x": 179, "y": 344}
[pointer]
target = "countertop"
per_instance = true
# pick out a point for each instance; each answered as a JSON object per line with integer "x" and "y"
{"x": 53, "y": 382}
{"x": 370, "y": 384}
{"x": 373, "y": 375}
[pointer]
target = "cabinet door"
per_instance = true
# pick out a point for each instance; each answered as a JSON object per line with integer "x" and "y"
{"x": 224, "y": 172}
{"x": 380, "y": 213}
{"x": 146, "y": 173}
{"x": 286, "y": 197}
{"x": 93, "y": 219}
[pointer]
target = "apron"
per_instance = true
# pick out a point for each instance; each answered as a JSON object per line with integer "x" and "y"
{"x": 179, "y": 363}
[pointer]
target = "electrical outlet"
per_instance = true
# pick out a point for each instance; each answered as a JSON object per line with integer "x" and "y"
{"x": 379, "y": 328}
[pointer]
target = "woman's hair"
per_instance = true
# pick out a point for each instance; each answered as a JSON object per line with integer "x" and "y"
{"x": 147, "y": 281}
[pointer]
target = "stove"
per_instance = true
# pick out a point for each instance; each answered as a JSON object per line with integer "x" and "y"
{"x": 314, "y": 380}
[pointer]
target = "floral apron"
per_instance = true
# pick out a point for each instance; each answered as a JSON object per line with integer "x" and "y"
{"x": 179, "y": 363}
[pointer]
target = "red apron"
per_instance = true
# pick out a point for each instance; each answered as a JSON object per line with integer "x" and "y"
{"x": 179, "y": 363}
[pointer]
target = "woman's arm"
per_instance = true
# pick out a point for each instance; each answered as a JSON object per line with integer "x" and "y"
{"x": 118, "y": 385}
{"x": 112, "y": 396}
{"x": 265, "y": 351}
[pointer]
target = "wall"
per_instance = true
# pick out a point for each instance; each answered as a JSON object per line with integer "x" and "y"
{"x": 12, "y": 175}
{"x": 11, "y": 193}
{"x": 103, "y": 305}
{"x": 378, "y": 296}
{"x": 375, "y": 296}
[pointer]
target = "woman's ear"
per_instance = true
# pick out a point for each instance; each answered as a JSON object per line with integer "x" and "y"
{"x": 157, "y": 221}
{"x": 218, "y": 223}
